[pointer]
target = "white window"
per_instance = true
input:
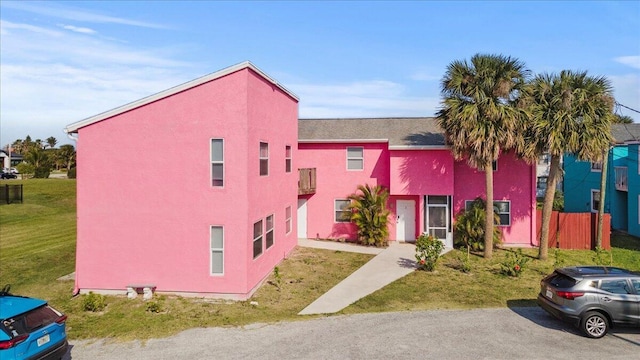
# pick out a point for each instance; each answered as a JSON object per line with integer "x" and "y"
{"x": 342, "y": 213}
{"x": 355, "y": 158}
{"x": 217, "y": 250}
{"x": 503, "y": 209}
{"x": 269, "y": 231}
{"x": 595, "y": 200}
{"x": 264, "y": 159}
{"x": 287, "y": 212}
{"x": 217, "y": 162}
{"x": 596, "y": 166}
{"x": 287, "y": 158}
{"x": 257, "y": 239}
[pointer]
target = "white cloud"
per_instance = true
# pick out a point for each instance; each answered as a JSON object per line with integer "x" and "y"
{"x": 374, "y": 98}
{"x": 632, "y": 61}
{"x": 69, "y": 13}
{"x": 82, "y": 30}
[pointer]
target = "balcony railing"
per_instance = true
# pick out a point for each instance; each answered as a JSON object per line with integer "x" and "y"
{"x": 621, "y": 178}
{"x": 306, "y": 181}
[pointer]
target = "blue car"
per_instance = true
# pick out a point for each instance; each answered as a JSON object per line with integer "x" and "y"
{"x": 30, "y": 329}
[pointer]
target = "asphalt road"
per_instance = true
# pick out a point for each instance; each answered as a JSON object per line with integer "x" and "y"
{"x": 508, "y": 333}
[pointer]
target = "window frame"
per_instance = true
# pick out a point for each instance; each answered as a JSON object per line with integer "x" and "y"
{"x": 288, "y": 221}
{"x": 341, "y": 210}
{"x": 216, "y": 162}
{"x": 269, "y": 231}
{"x": 264, "y": 158}
{"x": 467, "y": 203}
{"x": 361, "y": 158}
{"x": 257, "y": 238}
{"x": 592, "y": 209}
{"x": 596, "y": 166}
{"x": 288, "y": 158}
{"x": 213, "y": 250}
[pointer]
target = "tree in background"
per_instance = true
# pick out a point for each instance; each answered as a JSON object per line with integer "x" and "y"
{"x": 479, "y": 118}
{"x": 51, "y": 142}
{"x": 67, "y": 155}
{"x": 622, "y": 119}
{"x": 571, "y": 112}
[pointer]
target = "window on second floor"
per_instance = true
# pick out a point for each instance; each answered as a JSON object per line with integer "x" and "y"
{"x": 287, "y": 158}
{"x": 355, "y": 158}
{"x": 595, "y": 200}
{"x": 264, "y": 159}
{"x": 217, "y": 162}
{"x": 596, "y": 166}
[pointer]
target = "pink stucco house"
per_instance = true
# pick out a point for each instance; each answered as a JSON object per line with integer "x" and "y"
{"x": 204, "y": 188}
{"x": 408, "y": 156}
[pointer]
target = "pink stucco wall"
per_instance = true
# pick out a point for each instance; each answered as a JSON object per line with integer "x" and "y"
{"x": 410, "y": 175}
{"x": 514, "y": 180}
{"x": 334, "y": 181}
{"x": 145, "y": 200}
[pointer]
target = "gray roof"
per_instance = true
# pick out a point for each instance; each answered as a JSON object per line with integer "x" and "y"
{"x": 423, "y": 131}
{"x": 625, "y": 132}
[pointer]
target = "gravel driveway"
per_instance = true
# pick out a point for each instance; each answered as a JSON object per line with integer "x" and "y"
{"x": 505, "y": 333}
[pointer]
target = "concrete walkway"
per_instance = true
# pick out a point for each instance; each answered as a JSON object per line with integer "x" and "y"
{"x": 389, "y": 265}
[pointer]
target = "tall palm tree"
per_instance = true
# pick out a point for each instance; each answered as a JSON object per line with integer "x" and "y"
{"x": 571, "y": 112}
{"x": 51, "y": 142}
{"x": 479, "y": 118}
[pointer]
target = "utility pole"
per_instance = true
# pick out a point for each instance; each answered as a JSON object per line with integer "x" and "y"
{"x": 603, "y": 189}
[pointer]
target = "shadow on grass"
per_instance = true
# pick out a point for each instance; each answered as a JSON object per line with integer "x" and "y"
{"x": 625, "y": 241}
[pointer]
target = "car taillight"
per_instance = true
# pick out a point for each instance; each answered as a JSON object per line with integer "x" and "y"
{"x": 61, "y": 319}
{"x": 569, "y": 295}
{"x": 8, "y": 344}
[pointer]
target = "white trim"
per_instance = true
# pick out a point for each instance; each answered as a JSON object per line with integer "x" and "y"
{"x": 288, "y": 159}
{"x": 266, "y": 231}
{"x": 335, "y": 210}
{"x": 211, "y": 250}
{"x": 341, "y": 141}
{"x": 73, "y": 128}
{"x": 592, "y": 169}
{"x": 288, "y": 221}
{"x": 261, "y": 237}
{"x": 260, "y": 158}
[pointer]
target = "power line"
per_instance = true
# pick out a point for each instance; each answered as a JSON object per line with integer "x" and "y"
{"x": 626, "y": 107}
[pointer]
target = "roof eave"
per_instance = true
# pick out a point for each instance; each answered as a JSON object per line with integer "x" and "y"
{"x": 73, "y": 128}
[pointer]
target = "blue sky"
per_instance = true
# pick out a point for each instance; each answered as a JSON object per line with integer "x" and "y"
{"x": 61, "y": 62}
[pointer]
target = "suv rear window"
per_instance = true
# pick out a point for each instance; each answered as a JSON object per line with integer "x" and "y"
{"x": 30, "y": 321}
{"x": 561, "y": 281}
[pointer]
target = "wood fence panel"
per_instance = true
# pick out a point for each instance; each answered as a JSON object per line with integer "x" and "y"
{"x": 575, "y": 230}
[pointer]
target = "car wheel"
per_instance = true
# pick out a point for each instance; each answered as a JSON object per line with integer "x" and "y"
{"x": 594, "y": 324}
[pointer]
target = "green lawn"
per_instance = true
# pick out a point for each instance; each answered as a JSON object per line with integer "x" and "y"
{"x": 37, "y": 246}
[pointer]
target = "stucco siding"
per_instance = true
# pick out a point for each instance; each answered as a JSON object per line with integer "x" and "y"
{"x": 421, "y": 172}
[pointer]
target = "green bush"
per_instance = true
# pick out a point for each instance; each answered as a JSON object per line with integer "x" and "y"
{"x": 153, "y": 307}
{"x": 428, "y": 250}
{"x": 370, "y": 214}
{"x": 93, "y": 302}
{"x": 71, "y": 174}
{"x": 469, "y": 227}
{"x": 514, "y": 264}
{"x": 41, "y": 172}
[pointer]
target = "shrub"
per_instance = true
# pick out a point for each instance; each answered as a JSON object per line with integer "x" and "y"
{"x": 469, "y": 227}
{"x": 514, "y": 264}
{"x": 370, "y": 214}
{"x": 428, "y": 250}
{"x": 71, "y": 174}
{"x": 153, "y": 307}
{"x": 93, "y": 302}
{"x": 41, "y": 172}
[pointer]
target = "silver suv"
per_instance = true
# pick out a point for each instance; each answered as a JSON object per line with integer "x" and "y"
{"x": 594, "y": 298}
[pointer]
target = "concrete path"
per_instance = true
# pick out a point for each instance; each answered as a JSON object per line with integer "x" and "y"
{"x": 389, "y": 265}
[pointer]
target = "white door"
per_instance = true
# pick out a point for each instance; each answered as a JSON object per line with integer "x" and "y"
{"x": 405, "y": 220}
{"x": 302, "y": 218}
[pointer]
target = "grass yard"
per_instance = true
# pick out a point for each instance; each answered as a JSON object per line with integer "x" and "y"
{"x": 37, "y": 246}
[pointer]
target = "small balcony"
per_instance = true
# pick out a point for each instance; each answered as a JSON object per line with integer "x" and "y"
{"x": 621, "y": 178}
{"x": 306, "y": 181}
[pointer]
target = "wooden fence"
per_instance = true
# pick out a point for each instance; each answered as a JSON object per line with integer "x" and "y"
{"x": 575, "y": 230}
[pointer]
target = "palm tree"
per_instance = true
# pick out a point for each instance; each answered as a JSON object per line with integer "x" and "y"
{"x": 67, "y": 153}
{"x": 51, "y": 142}
{"x": 370, "y": 214}
{"x": 571, "y": 113}
{"x": 479, "y": 118}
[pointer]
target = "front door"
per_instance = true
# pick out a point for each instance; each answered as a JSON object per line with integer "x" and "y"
{"x": 438, "y": 218}
{"x": 405, "y": 220}
{"x": 302, "y": 218}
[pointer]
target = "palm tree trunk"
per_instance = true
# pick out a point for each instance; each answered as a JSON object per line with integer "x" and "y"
{"x": 603, "y": 191}
{"x": 547, "y": 206}
{"x": 488, "y": 228}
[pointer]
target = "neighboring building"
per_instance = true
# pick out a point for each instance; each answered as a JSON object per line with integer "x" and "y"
{"x": 9, "y": 161}
{"x": 216, "y": 222}
{"x": 409, "y": 157}
{"x": 622, "y": 195}
{"x": 542, "y": 172}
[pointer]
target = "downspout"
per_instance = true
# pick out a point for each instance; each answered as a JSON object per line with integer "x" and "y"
{"x": 76, "y": 288}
